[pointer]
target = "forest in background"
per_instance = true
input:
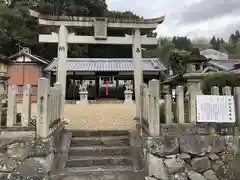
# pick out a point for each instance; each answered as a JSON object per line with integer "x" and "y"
{"x": 18, "y": 29}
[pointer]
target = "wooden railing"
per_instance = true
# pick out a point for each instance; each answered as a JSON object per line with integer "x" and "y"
{"x": 173, "y": 112}
{"x": 48, "y": 107}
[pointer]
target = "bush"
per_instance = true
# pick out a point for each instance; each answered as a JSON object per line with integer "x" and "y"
{"x": 220, "y": 79}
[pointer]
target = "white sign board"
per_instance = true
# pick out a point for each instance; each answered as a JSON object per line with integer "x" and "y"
{"x": 215, "y": 108}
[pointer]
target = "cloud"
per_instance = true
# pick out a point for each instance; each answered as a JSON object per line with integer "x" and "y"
{"x": 205, "y": 10}
{"x": 193, "y": 18}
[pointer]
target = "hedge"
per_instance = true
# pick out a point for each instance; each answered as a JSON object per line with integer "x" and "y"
{"x": 220, "y": 79}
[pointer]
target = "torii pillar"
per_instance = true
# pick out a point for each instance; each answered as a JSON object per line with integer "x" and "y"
{"x": 138, "y": 75}
{"x": 62, "y": 60}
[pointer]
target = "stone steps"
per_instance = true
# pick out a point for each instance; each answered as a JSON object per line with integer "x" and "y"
{"x": 86, "y": 133}
{"x": 99, "y": 150}
{"x": 87, "y": 161}
{"x": 91, "y": 169}
{"x": 107, "y": 141}
{"x": 117, "y": 175}
{"x": 100, "y": 155}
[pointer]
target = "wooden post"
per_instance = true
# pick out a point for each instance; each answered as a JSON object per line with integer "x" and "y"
{"x": 180, "y": 105}
{"x": 42, "y": 108}
{"x": 12, "y": 106}
{"x": 154, "y": 123}
{"x": 26, "y": 111}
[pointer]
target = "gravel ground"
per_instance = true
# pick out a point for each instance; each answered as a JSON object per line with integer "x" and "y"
{"x": 98, "y": 116}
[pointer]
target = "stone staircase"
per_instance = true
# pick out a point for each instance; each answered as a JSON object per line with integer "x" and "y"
{"x": 101, "y": 155}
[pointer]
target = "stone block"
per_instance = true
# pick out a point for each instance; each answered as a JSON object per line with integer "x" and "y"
{"x": 184, "y": 156}
{"x": 210, "y": 175}
{"x": 7, "y": 164}
{"x": 162, "y": 146}
{"x": 213, "y": 157}
{"x": 194, "y": 145}
{"x": 230, "y": 171}
{"x": 227, "y": 157}
{"x": 200, "y": 145}
{"x": 19, "y": 150}
{"x": 217, "y": 165}
{"x": 150, "y": 178}
{"x": 195, "y": 176}
{"x": 156, "y": 167}
{"x": 179, "y": 176}
{"x": 174, "y": 164}
{"x": 217, "y": 144}
{"x": 201, "y": 164}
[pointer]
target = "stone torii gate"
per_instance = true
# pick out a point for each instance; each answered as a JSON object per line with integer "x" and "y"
{"x": 100, "y": 25}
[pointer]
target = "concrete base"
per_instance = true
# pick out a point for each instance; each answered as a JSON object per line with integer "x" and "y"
{"x": 81, "y": 102}
{"x": 128, "y": 97}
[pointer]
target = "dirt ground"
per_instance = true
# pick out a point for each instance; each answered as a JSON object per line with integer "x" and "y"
{"x": 98, "y": 116}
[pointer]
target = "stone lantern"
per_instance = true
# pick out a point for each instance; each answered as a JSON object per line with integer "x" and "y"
{"x": 194, "y": 69}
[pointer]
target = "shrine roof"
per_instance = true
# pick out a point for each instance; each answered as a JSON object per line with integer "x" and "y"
{"x": 112, "y": 22}
{"x": 227, "y": 64}
{"x": 107, "y": 65}
{"x": 34, "y": 57}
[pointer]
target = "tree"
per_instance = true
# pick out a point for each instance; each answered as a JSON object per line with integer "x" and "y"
{"x": 233, "y": 39}
{"x": 201, "y": 43}
{"x": 17, "y": 27}
{"x": 165, "y": 47}
{"x": 213, "y": 42}
{"x": 182, "y": 43}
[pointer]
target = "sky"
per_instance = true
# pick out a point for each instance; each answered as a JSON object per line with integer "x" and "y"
{"x": 192, "y": 18}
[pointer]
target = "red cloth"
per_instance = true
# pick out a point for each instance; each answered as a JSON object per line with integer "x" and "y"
{"x": 106, "y": 87}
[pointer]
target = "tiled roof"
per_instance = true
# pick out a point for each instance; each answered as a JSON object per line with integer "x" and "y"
{"x": 37, "y": 58}
{"x": 224, "y": 64}
{"x": 98, "y": 64}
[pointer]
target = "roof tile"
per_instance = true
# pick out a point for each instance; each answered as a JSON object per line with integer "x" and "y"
{"x": 94, "y": 64}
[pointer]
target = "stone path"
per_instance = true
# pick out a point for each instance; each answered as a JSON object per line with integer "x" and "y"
{"x": 98, "y": 116}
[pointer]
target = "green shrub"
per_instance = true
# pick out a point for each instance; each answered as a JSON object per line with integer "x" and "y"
{"x": 220, "y": 79}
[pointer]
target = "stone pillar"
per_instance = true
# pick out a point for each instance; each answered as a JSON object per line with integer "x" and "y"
{"x": 62, "y": 59}
{"x": 138, "y": 75}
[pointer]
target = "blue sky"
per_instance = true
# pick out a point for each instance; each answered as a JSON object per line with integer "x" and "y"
{"x": 193, "y": 18}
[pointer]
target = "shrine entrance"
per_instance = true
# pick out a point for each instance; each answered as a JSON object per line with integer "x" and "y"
{"x": 108, "y": 87}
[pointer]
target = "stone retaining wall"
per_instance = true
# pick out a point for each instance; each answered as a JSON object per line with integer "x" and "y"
{"x": 22, "y": 156}
{"x": 192, "y": 156}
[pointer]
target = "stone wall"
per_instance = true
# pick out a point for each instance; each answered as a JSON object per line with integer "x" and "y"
{"x": 22, "y": 156}
{"x": 192, "y": 157}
